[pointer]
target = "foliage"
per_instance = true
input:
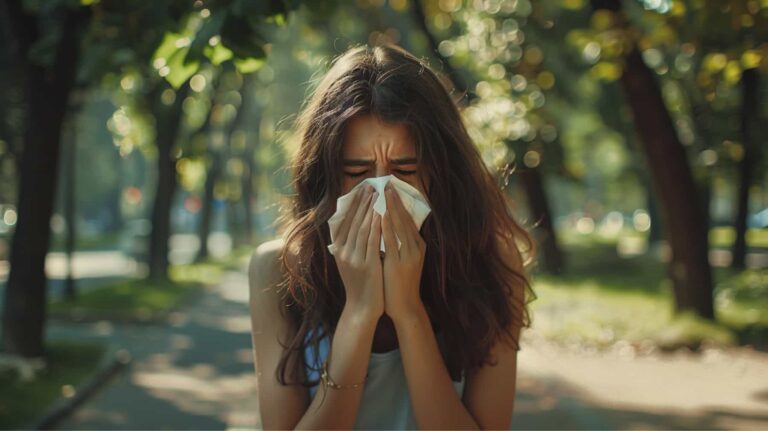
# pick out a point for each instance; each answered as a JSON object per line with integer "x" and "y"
{"x": 606, "y": 299}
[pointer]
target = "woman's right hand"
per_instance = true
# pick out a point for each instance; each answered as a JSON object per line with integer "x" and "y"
{"x": 356, "y": 251}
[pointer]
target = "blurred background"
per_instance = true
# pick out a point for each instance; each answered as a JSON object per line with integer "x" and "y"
{"x": 143, "y": 154}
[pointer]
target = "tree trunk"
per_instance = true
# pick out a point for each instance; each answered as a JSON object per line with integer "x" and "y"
{"x": 234, "y": 225}
{"x": 214, "y": 171}
{"x": 115, "y": 199}
{"x": 249, "y": 197}
{"x": 656, "y": 232}
{"x": 251, "y": 144}
{"x": 236, "y": 229}
{"x": 749, "y": 109}
{"x": 542, "y": 215}
{"x": 672, "y": 178}
{"x": 168, "y": 120}
{"x": 47, "y": 94}
{"x": 705, "y": 192}
{"x": 70, "y": 210}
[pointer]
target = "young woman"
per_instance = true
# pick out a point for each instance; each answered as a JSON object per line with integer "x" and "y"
{"x": 424, "y": 336}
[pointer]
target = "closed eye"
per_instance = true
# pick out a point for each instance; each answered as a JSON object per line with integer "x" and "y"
{"x": 399, "y": 171}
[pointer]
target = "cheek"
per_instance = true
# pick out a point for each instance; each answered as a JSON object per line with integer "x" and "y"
{"x": 348, "y": 183}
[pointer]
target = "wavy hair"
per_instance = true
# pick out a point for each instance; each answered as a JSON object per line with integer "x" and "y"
{"x": 470, "y": 289}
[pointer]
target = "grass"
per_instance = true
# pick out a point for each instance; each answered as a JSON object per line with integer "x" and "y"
{"x": 69, "y": 364}
{"x": 605, "y": 298}
{"x": 145, "y": 300}
{"x": 131, "y": 299}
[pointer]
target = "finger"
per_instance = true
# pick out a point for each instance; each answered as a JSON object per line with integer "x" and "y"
{"x": 350, "y": 244}
{"x": 365, "y": 228}
{"x": 397, "y": 216}
{"x": 374, "y": 238}
{"x": 341, "y": 236}
{"x": 390, "y": 243}
{"x": 408, "y": 223}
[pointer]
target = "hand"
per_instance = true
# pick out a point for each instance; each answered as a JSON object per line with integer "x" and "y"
{"x": 403, "y": 267}
{"x": 356, "y": 252}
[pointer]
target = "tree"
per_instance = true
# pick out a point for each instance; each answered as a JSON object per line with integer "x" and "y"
{"x": 689, "y": 267}
{"x": 47, "y": 94}
{"x": 750, "y": 84}
{"x": 507, "y": 112}
{"x": 117, "y": 35}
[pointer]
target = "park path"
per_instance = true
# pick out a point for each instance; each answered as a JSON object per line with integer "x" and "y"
{"x": 197, "y": 373}
{"x": 574, "y": 388}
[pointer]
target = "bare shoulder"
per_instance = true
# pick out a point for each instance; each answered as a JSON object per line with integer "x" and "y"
{"x": 264, "y": 267}
{"x": 266, "y": 257}
{"x": 281, "y": 406}
{"x": 264, "y": 275}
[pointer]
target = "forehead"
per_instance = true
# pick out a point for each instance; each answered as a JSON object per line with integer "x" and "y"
{"x": 367, "y": 133}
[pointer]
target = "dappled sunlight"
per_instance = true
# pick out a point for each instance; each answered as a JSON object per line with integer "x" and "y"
{"x": 236, "y": 324}
{"x": 153, "y": 149}
{"x": 712, "y": 389}
{"x": 224, "y": 385}
{"x": 200, "y": 390}
{"x": 113, "y": 417}
{"x": 198, "y": 369}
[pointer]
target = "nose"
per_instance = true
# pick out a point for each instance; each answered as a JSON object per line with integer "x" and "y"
{"x": 381, "y": 170}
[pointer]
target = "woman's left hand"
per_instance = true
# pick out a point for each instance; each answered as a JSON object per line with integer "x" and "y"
{"x": 403, "y": 267}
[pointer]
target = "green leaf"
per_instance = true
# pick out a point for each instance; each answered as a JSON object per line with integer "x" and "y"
{"x": 180, "y": 72}
{"x": 218, "y": 54}
{"x": 173, "y": 50}
{"x": 248, "y": 65}
{"x": 167, "y": 47}
{"x": 279, "y": 19}
{"x": 211, "y": 27}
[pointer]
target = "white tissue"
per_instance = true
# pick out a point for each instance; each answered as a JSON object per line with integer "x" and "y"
{"x": 413, "y": 202}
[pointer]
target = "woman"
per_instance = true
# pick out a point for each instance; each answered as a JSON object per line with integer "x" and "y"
{"x": 424, "y": 336}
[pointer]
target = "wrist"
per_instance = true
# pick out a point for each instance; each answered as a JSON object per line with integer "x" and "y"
{"x": 360, "y": 315}
{"x": 411, "y": 315}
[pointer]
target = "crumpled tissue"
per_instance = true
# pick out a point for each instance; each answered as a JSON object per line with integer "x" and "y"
{"x": 413, "y": 201}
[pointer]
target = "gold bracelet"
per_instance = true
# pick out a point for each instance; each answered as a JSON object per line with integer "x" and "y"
{"x": 329, "y": 382}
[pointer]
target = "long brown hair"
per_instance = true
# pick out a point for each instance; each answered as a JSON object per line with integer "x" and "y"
{"x": 466, "y": 282}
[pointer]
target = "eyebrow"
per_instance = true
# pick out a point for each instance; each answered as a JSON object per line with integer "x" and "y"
{"x": 368, "y": 162}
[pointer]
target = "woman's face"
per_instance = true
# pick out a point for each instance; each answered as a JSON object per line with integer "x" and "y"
{"x": 373, "y": 148}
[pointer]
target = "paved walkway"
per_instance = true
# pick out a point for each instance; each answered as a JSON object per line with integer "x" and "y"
{"x": 194, "y": 374}
{"x": 198, "y": 374}
{"x": 561, "y": 388}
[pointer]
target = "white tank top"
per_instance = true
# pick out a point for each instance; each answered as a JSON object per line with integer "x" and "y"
{"x": 385, "y": 403}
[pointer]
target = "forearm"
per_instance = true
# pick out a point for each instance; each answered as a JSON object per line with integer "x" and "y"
{"x": 347, "y": 364}
{"x": 433, "y": 397}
